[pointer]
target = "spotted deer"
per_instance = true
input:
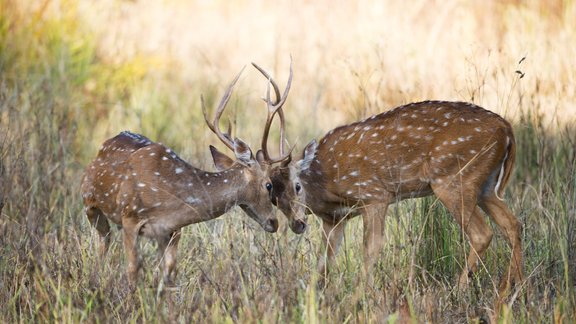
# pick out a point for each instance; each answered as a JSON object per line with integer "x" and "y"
{"x": 148, "y": 190}
{"x": 460, "y": 152}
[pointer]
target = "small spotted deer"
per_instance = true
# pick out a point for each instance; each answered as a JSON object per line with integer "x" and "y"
{"x": 148, "y": 190}
{"x": 457, "y": 151}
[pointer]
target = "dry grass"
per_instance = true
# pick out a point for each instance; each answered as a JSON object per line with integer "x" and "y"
{"x": 75, "y": 72}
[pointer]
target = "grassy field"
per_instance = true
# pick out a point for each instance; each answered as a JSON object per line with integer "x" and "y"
{"x": 75, "y": 72}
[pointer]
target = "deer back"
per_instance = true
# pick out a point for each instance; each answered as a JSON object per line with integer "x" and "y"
{"x": 400, "y": 154}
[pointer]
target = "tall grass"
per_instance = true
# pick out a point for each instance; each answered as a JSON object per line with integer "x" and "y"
{"x": 73, "y": 73}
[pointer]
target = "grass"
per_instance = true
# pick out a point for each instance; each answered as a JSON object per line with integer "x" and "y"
{"x": 66, "y": 84}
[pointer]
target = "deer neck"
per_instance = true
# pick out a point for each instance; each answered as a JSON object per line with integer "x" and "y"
{"x": 208, "y": 195}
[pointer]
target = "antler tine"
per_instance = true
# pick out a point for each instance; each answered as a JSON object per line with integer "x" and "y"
{"x": 280, "y": 103}
{"x": 270, "y": 81}
{"x": 273, "y": 108}
{"x": 226, "y": 138}
{"x": 282, "y": 125}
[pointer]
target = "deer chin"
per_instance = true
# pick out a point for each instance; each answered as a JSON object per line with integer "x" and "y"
{"x": 298, "y": 226}
{"x": 269, "y": 225}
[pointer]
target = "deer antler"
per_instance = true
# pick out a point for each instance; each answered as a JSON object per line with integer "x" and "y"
{"x": 273, "y": 108}
{"x": 226, "y": 138}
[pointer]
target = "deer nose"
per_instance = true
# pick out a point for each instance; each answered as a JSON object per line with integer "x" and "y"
{"x": 298, "y": 226}
{"x": 271, "y": 225}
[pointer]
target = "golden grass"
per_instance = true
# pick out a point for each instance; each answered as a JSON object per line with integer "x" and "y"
{"x": 398, "y": 52}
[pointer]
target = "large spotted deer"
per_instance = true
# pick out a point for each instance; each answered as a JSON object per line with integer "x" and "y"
{"x": 457, "y": 151}
{"x": 148, "y": 190}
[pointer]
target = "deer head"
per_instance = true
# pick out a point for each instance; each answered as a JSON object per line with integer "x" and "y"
{"x": 280, "y": 168}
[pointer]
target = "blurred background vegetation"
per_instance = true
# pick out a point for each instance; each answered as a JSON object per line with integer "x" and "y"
{"x": 75, "y": 72}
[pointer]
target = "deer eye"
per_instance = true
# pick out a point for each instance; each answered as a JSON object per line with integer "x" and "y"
{"x": 298, "y": 187}
{"x": 269, "y": 186}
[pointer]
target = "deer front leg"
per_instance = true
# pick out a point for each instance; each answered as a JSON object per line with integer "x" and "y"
{"x": 373, "y": 218}
{"x": 100, "y": 223}
{"x": 332, "y": 237}
{"x": 130, "y": 236}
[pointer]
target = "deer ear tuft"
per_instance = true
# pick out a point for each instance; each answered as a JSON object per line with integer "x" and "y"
{"x": 309, "y": 155}
{"x": 243, "y": 152}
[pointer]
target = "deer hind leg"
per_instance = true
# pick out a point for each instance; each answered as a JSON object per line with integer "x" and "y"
{"x": 167, "y": 251}
{"x": 332, "y": 237}
{"x": 373, "y": 218}
{"x": 130, "y": 231}
{"x": 512, "y": 229}
{"x": 100, "y": 223}
{"x": 480, "y": 236}
{"x": 461, "y": 201}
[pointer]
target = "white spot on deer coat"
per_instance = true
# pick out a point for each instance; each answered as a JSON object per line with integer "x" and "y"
{"x": 178, "y": 170}
{"x": 192, "y": 200}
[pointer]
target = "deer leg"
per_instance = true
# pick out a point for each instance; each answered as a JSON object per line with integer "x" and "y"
{"x": 130, "y": 230}
{"x": 461, "y": 203}
{"x": 480, "y": 236}
{"x": 100, "y": 223}
{"x": 512, "y": 228}
{"x": 167, "y": 250}
{"x": 332, "y": 237}
{"x": 373, "y": 218}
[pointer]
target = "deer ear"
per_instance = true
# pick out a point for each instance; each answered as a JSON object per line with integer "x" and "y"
{"x": 243, "y": 152}
{"x": 221, "y": 160}
{"x": 260, "y": 158}
{"x": 309, "y": 155}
